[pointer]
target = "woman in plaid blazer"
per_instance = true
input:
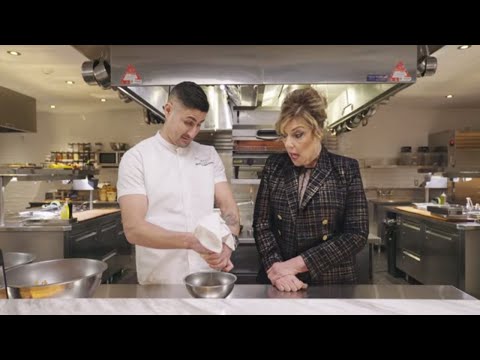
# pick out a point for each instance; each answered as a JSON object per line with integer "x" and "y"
{"x": 311, "y": 214}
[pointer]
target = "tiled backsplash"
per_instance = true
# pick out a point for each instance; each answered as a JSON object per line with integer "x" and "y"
{"x": 395, "y": 177}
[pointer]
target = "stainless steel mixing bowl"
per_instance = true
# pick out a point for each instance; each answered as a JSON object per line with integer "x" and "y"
{"x": 13, "y": 259}
{"x": 210, "y": 284}
{"x": 61, "y": 278}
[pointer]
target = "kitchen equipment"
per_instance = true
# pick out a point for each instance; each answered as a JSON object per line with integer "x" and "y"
{"x": 110, "y": 158}
{"x": 101, "y": 70}
{"x": 3, "y": 294}
{"x": 118, "y": 146}
{"x": 13, "y": 259}
{"x": 456, "y": 152}
{"x": 446, "y": 209}
{"x": 210, "y": 284}
{"x": 60, "y": 278}
{"x": 87, "y": 72}
{"x": 254, "y": 140}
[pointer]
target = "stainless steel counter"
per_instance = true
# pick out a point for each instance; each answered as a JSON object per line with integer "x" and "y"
{"x": 18, "y": 226}
{"x": 313, "y": 292}
{"x": 465, "y": 226}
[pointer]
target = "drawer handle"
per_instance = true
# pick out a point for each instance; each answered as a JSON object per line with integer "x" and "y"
{"x": 109, "y": 256}
{"x": 86, "y": 236}
{"x": 439, "y": 235}
{"x": 411, "y": 226}
{"x": 411, "y": 255}
{"x": 108, "y": 228}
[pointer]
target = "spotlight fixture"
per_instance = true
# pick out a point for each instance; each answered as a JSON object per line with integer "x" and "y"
{"x": 14, "y": 53}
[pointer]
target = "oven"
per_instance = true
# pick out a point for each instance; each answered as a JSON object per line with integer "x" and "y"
{"x": 254, "y": 140}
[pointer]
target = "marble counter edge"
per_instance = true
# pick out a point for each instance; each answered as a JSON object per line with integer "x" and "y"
{"x": 239, "y": 307}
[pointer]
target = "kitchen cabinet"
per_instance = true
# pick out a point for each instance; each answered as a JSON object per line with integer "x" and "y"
{"x": 409, "y": 247}
{"x": 437, "y": 252}
{"x": 441, "y": 254}
{"x": 103, "y": 239}
{"x": 100, "y": 238}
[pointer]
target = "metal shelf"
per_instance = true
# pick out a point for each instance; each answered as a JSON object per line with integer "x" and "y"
{"x": 36, "y": 174}
{"x": 33, "y": 174}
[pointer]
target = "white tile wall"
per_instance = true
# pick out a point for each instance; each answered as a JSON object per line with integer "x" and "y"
{"x": 392, "y": 178}
{"x": 54, "y": 133}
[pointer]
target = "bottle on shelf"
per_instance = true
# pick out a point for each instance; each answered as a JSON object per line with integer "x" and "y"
{"x": 65, "y": 211}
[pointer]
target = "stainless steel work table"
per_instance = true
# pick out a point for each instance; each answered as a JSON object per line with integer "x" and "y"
{"x": 269, "y": 292}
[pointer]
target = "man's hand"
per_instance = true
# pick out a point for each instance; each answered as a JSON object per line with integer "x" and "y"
{"x": 195, "y": 245}
{"x": 220, "y": 261}
{"x": 289, "y": 283}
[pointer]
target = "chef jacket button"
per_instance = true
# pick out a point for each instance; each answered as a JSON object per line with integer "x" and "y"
{"x": 325, "y": 222}
{"x": 279, "y": 217}
{"x": 325, "y": 237}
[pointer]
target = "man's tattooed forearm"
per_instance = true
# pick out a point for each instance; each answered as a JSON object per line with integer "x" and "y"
{"x": 231, "y": 219}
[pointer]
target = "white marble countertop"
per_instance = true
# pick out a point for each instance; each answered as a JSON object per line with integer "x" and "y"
{"x": 238, "y": 307}
{"x": 256, "y": 299}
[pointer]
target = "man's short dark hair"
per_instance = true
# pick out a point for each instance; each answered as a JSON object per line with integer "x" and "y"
{"x": 191, "y": 95}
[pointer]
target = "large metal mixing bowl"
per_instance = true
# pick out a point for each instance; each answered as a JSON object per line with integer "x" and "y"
{"x": 210, "y": 284}
{"x": 13, "y": 259}
{"x": 61, "y": 278}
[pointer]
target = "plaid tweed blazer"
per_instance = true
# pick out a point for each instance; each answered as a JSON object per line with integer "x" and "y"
{"x": 327, "y": 229}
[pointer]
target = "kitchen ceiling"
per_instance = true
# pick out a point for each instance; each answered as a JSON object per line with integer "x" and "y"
{"x": 42, "y": 70}
{"x": 457, "y": 74}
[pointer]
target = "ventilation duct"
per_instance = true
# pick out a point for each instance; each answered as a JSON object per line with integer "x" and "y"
{"x": 355, "y": 78}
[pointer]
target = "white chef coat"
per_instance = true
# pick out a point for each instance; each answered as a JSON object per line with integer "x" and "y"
{"x": 179, "y": 184}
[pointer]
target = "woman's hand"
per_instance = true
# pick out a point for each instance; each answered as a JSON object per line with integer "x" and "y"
{"x": 289, "y": 283}
{"x": 290, "y": 267}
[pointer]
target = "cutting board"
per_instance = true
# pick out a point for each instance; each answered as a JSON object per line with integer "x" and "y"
{"x": 91, "y": 214}
{"x": 428, "y": 214}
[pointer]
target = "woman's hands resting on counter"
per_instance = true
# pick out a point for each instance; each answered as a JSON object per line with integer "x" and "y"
{"x": 282, "y": 274}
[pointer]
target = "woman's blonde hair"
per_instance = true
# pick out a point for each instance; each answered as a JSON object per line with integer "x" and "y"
{"x": 306, "y": 104}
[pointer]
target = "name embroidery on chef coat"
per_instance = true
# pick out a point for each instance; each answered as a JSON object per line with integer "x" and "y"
{"x": 203, "y": 162}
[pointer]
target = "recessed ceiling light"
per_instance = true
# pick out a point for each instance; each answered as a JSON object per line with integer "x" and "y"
{"x": 449, "y": 96}
{"x": 103, "y": 100}
{"x": 52, "y": 106}
{"x": 14, "y": 53}
{"x": 464, "y": 47}
{"x": 70, "y": 82}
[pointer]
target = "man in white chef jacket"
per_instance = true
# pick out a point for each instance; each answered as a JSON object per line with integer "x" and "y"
{"x": 166, "y": 183}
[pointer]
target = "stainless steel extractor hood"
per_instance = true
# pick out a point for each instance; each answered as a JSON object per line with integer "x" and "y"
{"x": 355, "y": 78}
{"x": 18, "y": 112}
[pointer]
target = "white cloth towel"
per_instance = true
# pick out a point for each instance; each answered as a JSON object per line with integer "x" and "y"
{"x": 212, "y": 232}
